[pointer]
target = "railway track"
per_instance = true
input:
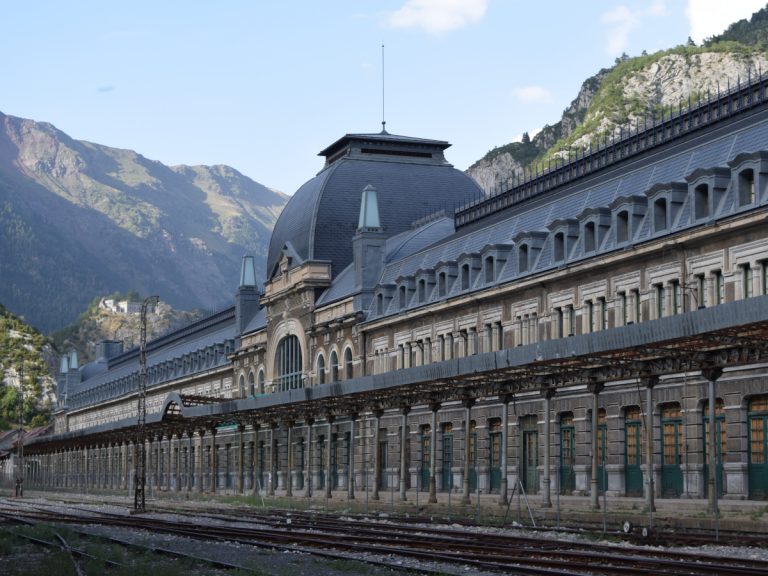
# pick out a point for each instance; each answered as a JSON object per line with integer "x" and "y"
{"x": 490, "y": 551}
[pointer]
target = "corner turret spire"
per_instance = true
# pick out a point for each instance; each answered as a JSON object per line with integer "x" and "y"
{"x": 369, "y": 210}
{"x": 248, "y": 272}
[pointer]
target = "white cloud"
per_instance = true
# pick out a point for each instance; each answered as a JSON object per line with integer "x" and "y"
{"x": 622, "y": 20}
{"x": 532, "y": 94}
{"x": 709, "y": 17}
{"x": 437, "y": 16}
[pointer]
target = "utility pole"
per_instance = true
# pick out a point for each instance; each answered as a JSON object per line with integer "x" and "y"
{"x": 20, "y": 443}
{"x": 139, "y": 503}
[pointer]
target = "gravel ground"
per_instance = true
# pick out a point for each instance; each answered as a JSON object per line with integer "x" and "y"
{"x": 288, "y": 563}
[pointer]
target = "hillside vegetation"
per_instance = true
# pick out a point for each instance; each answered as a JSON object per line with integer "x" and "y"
{"x": 631, "y": 92}
{"x": 23, "y": 346}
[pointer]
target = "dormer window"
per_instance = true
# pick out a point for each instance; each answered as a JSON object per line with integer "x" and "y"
{"x": 701, "y": 201}
{"x": 522, "y": 255}
{"x": 746, "y": 187}
{"x": 590, "y": 241}
{"x": 465, "y": 277}
{"x": 403, "y": 297}
{"x": 489, "y": 271}
{"x": 441, "y": 287}
{"x": 380, "y": 304}
{"x": 622, "y": 227}
{"x": 660, "y": 215}
{"x": 422, "y": 290}
{"x": 559, "y": 247}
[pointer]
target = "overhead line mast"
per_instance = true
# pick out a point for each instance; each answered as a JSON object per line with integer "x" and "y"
{"x": 139, "y": 496}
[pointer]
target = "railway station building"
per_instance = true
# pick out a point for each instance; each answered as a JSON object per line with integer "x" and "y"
{"x": 601, "y": 326}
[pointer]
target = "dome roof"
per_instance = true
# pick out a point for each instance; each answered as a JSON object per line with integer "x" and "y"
{"x": 411, "y": 177}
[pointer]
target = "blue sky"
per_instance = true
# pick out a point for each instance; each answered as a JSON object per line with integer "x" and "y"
{"x": 264, "y": 86}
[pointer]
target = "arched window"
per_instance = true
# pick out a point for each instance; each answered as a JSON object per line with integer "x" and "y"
{"x": 288, "y": 363}
{"x": 334, "y": 367}
{"x": 251, "y": 385}
{"x": 622, "y": 226}
{"x": 348, "y": 363}
{"x": 660, "y": 215}
{"x": 241, "y": 386}
{"x": 261, "y": 381}
{"x": 523, "y": 258}
{"x": 701, "y": 201}
{"x": 320, "y": 369}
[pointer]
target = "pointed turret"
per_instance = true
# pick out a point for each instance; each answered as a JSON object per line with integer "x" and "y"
{"x": 369, "y": 211}
{"x": 368, "y": 245}
{"x": 247, "y": 298}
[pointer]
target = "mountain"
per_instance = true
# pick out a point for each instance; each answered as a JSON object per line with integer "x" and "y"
{"x": 24, "y": 351}
{"x": 629, "y": 93}
{"x": 78, "y": 220}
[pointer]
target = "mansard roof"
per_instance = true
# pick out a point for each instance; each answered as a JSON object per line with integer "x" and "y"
{"x": 663, "y": 167}
{"x": 411, "y": 177}
{"x": 207, "y": 334}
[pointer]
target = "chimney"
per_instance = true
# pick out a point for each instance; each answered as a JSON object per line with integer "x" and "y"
{"x": 107, "y": 349}
{"x": 247, "y": 297}
{"x": 368, "y": 243}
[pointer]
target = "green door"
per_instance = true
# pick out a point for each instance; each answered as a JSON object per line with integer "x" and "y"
{"x": 298, "y": 464}
{"x": 262, "y": 466}
{"x": 633, "y": 479}
{"x": 671, "y": 473}
{"x": 383, "y": 464}
{"x": 758, "y": 449}
{"x": 530, "y": 475}
{"x": 720, "y": 447}
{"x": 494, "y": 458}
{"x": 321, "y": 450}
{"x": 602, "y": 478}
{"x": 335, "y": 455}
{"x": 567, "y": 455}
{"x": 472, "y": 459}
{"x": 446, "y": 478}
{"x": 426, "y": 443}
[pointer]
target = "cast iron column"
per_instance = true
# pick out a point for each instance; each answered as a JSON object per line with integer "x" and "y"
{"x": 435, "y": 406}
{"x": 376, "y": 454}
{"x": 504, "y": 445}
{"x": 712, "y": 375}
{"x": 468, "y": 403}
{"x": 351, "y": 472}
{"x": 595, "y": 389}
{"x": 328, "y": 476}
{"x": 404, "y": 410}
{"x": 546, "y": 500}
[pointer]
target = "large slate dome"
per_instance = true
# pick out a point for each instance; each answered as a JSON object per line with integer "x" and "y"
{"x": 412, "y": 179}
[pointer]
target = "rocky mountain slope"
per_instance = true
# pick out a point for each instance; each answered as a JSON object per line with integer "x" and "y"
{"x": 99, "y": 323}
{"x": 634, "y": 89}
{"x": 79, "y": 219}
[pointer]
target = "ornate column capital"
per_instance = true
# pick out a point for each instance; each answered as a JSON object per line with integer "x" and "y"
{"x": 712, "y": 373}
{"x": 649, "y": 381}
